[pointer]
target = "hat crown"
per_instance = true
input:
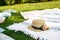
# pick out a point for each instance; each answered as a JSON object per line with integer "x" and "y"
{"x": 38, "y": 23}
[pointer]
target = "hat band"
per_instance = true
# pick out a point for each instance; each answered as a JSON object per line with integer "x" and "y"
{"x": 41, "y": 28}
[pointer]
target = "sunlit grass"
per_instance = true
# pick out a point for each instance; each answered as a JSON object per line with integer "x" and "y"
{"x": 32, "y": 6}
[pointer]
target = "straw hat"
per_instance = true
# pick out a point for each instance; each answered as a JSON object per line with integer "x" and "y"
{"x": 38, "y": 25}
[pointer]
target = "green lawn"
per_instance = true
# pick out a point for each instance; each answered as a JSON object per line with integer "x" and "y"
{"x": 16, "y": 17}
{"x": 32, "y": 6}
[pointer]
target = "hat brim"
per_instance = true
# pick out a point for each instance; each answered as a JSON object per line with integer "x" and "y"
{"x": 35, "y": 30}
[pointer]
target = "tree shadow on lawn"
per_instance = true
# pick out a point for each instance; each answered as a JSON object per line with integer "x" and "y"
{"x": 18, "y": 35}
{"x": 15, "y": 35}
{"x": 15, "y": 18}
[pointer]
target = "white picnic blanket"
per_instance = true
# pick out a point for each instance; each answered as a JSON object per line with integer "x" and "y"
{"x": 4, "y": 14}
{"x": 39, "y": 13}
{"x": 1, "y": 30}
{"x": 52, "y": 18}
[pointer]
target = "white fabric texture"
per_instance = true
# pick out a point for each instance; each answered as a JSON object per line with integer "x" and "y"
{"x": 51, "y": 16}
{"x": 2, "y": 19}
{"x": 1, "y": 30}
{"x": 9, "y": 11}
{"x": 38, "y": 13}
{"x": 6, "y": 14}
{"x": 3, "y": 16}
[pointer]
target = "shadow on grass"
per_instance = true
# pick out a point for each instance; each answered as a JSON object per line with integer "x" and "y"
{"x": 15, "y": 18}
{"x": 18, "y": 35}
{"x": 15, "y": 35}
